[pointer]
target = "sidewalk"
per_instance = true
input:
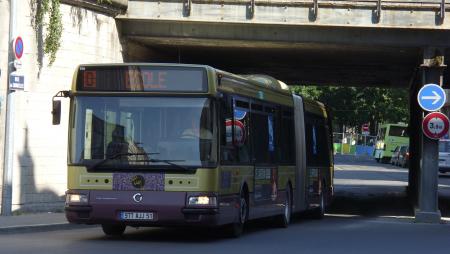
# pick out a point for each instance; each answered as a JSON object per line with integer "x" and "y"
{"x": 34, "y": 222}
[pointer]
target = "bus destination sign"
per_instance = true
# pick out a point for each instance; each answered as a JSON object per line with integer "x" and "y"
{"x": 141, "y": 79}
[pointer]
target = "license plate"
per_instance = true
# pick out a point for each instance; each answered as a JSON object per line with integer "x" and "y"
{"x": 136, "y": 216}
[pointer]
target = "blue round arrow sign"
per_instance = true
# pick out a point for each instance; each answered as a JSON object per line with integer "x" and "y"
{"x": 431, "y": 97}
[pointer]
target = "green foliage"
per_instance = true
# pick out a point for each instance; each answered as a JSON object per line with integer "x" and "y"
{"x": 54, "y": 31}
{"x": 353, "y": 106}
{"x": 52, "y": 40}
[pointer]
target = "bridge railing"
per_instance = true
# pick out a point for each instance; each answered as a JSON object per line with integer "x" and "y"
{"x": 391, "y": 13}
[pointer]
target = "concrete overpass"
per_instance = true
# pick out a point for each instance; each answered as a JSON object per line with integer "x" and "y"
{"x": 358, "y": 43}
{"x": 396, "y": 44}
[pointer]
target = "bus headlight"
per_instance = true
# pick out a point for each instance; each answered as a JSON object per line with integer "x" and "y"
{"x": 202, "y": 201}
{"x": 76, "y": 199}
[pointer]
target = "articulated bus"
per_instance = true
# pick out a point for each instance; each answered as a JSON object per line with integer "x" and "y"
{"x": 388, "y": 138}
{"x": 173, "y": 144}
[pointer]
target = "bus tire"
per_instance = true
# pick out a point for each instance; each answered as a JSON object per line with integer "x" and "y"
{"x": 284, "y": 220}
{"x": 236, "y": 229}
{"x": 113, "y": 229}
{"x": 319, "y": 212}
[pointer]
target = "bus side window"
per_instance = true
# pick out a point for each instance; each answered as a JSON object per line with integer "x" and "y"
{"x": 228, "y": 152}
{"x": 317, "y": 141}
{"x": 260, "y": 137}
{"x": 287, "y": 137}
{"x": 241, "y": 132}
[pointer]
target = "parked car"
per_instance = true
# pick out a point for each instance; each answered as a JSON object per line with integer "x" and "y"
{"x": 444, "y": 155}
{"x": 403, "y": 157}
{"x": 395, "y": 153}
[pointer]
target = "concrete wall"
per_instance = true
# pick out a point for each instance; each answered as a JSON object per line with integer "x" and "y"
{"x": 40, "y": 149}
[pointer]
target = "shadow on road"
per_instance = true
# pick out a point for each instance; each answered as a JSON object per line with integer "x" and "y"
{"x": 444, "y": 205}
{"x": 366, "y": 188}
{"x": 387, "y": 204}
{"x": 197, "y": 234}
{"x": 369, "y": 189}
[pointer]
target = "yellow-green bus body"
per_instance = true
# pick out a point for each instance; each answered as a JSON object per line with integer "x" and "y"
{"x": 139, "y": 190}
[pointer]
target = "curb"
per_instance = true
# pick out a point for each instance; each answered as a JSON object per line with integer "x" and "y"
{"x": 41, "y": 228}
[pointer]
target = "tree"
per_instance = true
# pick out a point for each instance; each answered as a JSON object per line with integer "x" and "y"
{"x": 354, "y": 106}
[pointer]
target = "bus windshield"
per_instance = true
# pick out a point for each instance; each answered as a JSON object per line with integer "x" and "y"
{"x": 142, "y": 132}
{"x": 397, "y": 131}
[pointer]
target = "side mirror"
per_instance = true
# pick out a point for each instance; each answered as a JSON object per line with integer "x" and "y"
{"x": 56, "y": 112}
{"x": 56, "y": 106}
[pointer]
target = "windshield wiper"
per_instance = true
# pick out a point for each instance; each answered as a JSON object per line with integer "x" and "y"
{"x": 168, "y": 162}
{"x": 93, "y": 166}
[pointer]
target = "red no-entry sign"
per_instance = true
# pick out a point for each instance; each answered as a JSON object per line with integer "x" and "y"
{"x": 435, "y": 125}
{"x": 365, "y": 127}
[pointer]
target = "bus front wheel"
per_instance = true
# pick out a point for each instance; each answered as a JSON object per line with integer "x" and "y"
{"x": 235, "y": 229}
{"x": 113, "y": 230}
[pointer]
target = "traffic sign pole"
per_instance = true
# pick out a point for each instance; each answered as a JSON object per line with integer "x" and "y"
{"x": 426, "y": 165}
{"x": 8, "y": 163}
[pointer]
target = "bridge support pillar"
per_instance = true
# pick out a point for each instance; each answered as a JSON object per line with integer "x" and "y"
{"x": 415, "y": 140}
{"x": 431, "y": 71}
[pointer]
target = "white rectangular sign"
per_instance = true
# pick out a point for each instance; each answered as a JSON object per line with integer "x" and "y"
{"x": 16, "y": 81}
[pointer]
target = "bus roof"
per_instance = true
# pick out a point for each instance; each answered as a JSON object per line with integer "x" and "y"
{"x": 262, "y": 81}
{"x": 393, "y": 124}
{"x": 147, "y": 64}
{"x": 315, "y": 107}
{"x": 255, "y": 85}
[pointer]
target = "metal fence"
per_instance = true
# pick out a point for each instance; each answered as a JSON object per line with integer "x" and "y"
{"x": 357, "y": 144}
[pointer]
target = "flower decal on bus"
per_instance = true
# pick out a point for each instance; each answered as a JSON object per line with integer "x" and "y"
{"x": 138, "y": 181}
{"x": 146, "y": 181}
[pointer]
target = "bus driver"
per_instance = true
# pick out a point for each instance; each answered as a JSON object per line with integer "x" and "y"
{"x": 194, "y": 130}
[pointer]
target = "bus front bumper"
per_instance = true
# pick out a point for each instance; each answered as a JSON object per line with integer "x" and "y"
{"x": 150, "y": 208}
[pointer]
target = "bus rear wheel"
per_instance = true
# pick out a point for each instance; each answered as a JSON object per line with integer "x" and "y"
{"x": 113, "y": 230}
{"x": 319, "y": 212}
{"x": 385, "y": 160}
{"x": 284, "y": 219}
